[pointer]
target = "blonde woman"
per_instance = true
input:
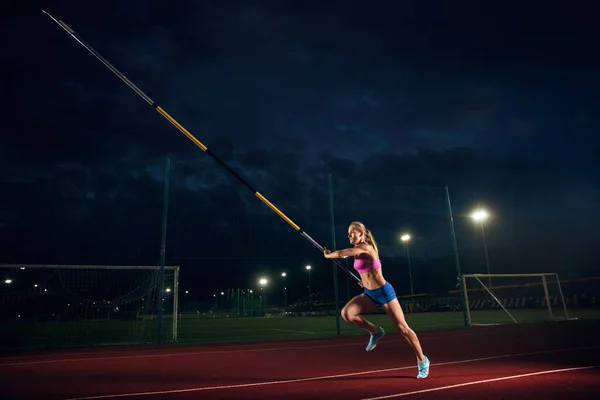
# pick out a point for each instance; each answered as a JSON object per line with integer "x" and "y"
{"x": 376, "y": 292}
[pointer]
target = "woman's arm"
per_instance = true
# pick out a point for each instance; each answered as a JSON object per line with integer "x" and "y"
{"x": 354, "y": 251}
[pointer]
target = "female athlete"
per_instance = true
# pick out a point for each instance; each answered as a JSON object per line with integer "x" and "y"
{"x": 376, "y": 292}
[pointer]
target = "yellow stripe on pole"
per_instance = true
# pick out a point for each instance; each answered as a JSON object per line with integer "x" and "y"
{"x": 281, "y": 214}
{"x": 189, "y": 135}
{"x": 181, "y": 128}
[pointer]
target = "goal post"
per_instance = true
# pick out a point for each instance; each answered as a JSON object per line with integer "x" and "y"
{"x": 44, "y": 305}
{"x": 513, "y": 298}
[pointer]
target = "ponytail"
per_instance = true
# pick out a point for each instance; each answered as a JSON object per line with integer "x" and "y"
{"x": 370, "y": 239}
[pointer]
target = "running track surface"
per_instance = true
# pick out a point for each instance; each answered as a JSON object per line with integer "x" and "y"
{"x": 551, "y": 361}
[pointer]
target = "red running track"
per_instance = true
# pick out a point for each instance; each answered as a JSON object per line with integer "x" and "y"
{"x": 550, "y": 361}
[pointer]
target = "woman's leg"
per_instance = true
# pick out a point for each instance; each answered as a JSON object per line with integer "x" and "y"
{"x": 394, "y": 311}
{"x": 354, "y": 308}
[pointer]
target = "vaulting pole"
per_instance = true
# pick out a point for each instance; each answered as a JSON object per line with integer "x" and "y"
{"x": 193, "y": 139}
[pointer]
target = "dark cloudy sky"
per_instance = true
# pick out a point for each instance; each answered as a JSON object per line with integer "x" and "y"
{"x": 498, "y": 100}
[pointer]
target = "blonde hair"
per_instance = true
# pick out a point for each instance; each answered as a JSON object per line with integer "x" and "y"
{"x": 368, "y": 235}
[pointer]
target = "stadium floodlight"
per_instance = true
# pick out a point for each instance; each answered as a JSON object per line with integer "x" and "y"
{"x": 405, "y": 238}
{"x": 480, "y": 215}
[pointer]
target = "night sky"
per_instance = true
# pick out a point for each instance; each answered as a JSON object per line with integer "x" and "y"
{"x": 392, "y": 101}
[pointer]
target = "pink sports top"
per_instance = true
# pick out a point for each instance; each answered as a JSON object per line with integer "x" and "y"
{"x": 363, "y": 265}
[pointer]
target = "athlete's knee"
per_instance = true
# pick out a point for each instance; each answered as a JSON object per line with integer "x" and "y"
{"x": 348, "y": 315}
{"x": 345, "y": 315}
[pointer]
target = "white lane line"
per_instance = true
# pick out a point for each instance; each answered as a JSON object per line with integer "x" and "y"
{"x": 68, "y": 360}
{"x": 227, "y": 346}
{"x": 227, "y": 349}
{"x": 316, "y": 378}
{"x": 504, "y": 378}
{"x": 233, "y": 346}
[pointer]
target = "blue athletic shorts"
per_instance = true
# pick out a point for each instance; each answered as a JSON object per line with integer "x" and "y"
{"x": 382, "y": 295}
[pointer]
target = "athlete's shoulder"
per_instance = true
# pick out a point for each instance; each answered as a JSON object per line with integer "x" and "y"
{"x": 365, "y": 247}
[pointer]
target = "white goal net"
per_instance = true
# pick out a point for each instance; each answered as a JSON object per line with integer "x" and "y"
{"x": 513, "y": 298}
{"x": 84, "y": 305}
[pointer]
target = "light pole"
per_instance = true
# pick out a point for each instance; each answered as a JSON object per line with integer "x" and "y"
{"x": 185, "y": 301}
{"x": 308, "y": 268}
{"x": 480, "y": 216}
{"x": 406, "y": 238}
{"x": 262, "y": 282}
{"x": 283, "y": 275}
{"x": 250, "y": 303}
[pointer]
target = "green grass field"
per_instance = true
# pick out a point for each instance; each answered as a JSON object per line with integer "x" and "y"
{"x": 233, "y": 330}
{"x": 250, "y": 329}
{"x": 191, "y": 330}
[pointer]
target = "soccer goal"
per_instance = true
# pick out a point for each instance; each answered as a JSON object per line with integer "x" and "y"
{"x": 86, "y": 305}
{"x": 513, "y": 298}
